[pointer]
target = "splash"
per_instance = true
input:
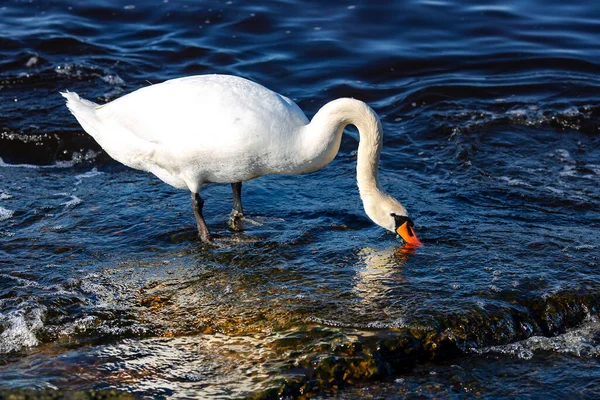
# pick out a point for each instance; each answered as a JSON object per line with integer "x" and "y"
{"x": 20, "y": 328}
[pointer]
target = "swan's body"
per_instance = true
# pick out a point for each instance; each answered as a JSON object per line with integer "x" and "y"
{"x": 205, "y": 129}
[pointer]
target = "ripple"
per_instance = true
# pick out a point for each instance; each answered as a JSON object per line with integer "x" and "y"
{"x": 491, "y": 123}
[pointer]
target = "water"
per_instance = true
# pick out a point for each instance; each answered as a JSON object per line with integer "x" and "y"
{"x": 491, "y": 116}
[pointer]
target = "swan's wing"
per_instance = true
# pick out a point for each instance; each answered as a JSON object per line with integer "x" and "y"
{"x": 204, "y": 110}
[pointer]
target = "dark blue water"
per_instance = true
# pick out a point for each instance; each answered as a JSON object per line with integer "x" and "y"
{"x": 491, "y": 115}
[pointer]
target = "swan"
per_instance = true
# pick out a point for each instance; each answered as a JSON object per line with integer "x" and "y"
{"x": 198, "y": 130}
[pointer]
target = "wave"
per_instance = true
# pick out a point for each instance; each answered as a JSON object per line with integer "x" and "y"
{"x": 581, "y": 342}
{"x": 448, "y": 108}
{"x": 76, "y": 159}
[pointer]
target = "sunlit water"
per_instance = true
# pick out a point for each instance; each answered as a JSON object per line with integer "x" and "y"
{"x": 491, "y": 118}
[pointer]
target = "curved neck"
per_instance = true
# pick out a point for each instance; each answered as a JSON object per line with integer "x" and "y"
{"x": 322, "y": 140}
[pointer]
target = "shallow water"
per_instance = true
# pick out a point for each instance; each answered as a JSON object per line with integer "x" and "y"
{"x": 491, "y": 122}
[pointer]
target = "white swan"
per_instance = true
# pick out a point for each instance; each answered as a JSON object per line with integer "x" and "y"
{"x": 205, "y": 129}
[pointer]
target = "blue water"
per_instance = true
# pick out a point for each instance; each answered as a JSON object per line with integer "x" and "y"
{"x": 491, "y": 115}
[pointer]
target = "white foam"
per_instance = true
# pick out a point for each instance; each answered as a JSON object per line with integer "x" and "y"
{"x": 70, "y": 70}
{"x": 569, "y": 171}
{"x": 398, "y": 323}
{"x": 90, "y": 174}
{"x": 5, "y": 214}
{"x": 565, "y": 156}
{"x": 528, "y": 115}
{"x": 76, "y": 158}
{"x": 59, "y": 164}
{"x": 514, "y": 181}
{"x": 518, "y": 113}
{"x": 81, "y": 325}
{"x": 585, "y": 247}
{"x": 73, "y": 202}
{"x": 579, "y": 342}
{"x": 21, "y": 281}
{"x": 324, "y": 321}
{"x": 21, "y": 330}
{"x": 113, "y": 80}
{"x": 33, "y": 60}
{"x": 571, "y": 112}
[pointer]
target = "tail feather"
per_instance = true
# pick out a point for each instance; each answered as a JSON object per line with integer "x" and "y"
{"x": 72, "y": 96}
{"x": 119, "y": 142}
{"x": 84, "y": 110}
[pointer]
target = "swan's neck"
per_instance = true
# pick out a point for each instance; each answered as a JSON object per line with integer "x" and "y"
{"x": 322, "y": 137}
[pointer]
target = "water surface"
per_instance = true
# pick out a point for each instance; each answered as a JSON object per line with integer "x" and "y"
{"x": 491, "y": 123}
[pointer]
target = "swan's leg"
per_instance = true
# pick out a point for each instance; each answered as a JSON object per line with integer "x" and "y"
{"x": 197, "y": 204}
{"x": 235, "y": 219}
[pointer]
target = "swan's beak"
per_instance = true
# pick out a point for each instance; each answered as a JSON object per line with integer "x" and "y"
{"x": 408, "y": 234}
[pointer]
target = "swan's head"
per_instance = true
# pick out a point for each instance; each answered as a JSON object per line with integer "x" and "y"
{"x": 388, "y": 213}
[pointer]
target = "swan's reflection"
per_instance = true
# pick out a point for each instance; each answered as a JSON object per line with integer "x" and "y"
{"x": 379, "y": 278}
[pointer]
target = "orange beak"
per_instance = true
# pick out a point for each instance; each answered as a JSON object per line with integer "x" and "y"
{"x": 408, "y": 234}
